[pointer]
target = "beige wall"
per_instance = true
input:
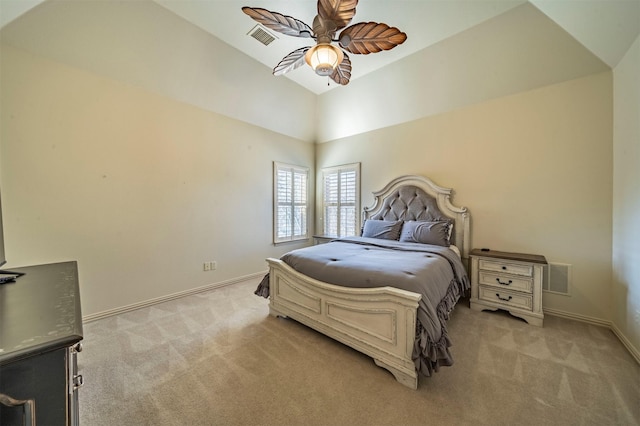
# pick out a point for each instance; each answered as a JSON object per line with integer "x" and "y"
{"x": 626, "y": 198}
{"x": 138, "y": 188}
{"x": 145, "y": 45}
{"x": 534, "y": 169}
{"x": 507, "y": 54}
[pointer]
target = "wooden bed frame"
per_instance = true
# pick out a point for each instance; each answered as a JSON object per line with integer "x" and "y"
{"x": 379, "y": 322}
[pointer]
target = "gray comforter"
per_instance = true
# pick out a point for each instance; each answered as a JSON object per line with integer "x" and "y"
{"x": 434, "y": 272}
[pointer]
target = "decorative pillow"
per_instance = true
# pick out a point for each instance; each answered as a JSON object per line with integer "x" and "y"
{"x": 436, "y": 233}
{"x": 383, "y": 229}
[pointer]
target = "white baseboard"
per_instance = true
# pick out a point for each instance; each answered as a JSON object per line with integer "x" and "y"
{"x": 577, "y": 317}
{"x": 632, "y": 350}
{"x": 155, "y": 301}
{"x": 600, "y": 322}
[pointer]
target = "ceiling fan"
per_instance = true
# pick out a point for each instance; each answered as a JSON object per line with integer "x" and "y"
{"x": 326, "y": 58}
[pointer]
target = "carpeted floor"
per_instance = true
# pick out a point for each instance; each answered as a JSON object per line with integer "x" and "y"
{"x": 218, "y": 358}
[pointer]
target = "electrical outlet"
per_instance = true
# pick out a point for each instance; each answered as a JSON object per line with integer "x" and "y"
{"x": 209, "y": 266}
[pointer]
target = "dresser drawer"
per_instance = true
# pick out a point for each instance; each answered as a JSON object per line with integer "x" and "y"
{"x": 506, "y": 297}
{"x": 503, "y": 281}
{"x": 510, "y": 268}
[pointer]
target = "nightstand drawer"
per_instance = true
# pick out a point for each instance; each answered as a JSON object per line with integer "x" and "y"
{"x": 506, "y": 298}
{"x": 502, "y": 281}
{"x": 510, "y": 268}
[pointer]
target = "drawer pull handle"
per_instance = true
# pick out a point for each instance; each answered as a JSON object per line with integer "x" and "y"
{"x": 28, "y": 408}
{"x": 500, "y": 282}
{"x": 506, "y": 299}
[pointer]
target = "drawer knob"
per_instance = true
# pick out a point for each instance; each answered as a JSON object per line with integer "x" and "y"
{"x": 506, "y": 299}
{"x": 503, "y": 283}
{"x": 504, "y": 268}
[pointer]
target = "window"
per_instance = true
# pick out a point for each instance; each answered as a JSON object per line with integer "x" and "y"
{"x": 341, "y": 200}
{"x": 290, "y": 206}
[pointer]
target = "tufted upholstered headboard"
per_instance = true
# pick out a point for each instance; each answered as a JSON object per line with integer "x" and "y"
{"x": 418, "y": 198}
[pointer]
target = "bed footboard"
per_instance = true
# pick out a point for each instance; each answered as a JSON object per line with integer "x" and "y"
{"x": 379, "y": 322}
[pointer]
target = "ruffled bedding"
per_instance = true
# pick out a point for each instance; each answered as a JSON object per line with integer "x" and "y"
{"x": 435, "y": 272}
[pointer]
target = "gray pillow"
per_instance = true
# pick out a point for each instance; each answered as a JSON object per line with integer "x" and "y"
{"x": 436, "y": 233}
{"x": 383, "y": 229}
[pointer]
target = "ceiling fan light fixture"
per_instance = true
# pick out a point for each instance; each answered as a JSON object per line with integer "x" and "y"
{"x": 327, "y": 59}
{"x": 323, "y": 58}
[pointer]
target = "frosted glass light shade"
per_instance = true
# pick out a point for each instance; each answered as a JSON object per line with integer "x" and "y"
{"x": 324, "y": 58}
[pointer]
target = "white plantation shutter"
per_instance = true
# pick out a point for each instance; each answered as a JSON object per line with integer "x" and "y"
{"x": 341, "y": 200}
{"x": 330, "y": 204}
{"x": 291, "y": 187}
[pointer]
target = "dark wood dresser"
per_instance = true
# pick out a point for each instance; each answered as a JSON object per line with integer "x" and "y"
{"x": 40, "y": 334}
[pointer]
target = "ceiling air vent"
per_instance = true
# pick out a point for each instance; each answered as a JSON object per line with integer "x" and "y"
{"x": 261, "y": 34}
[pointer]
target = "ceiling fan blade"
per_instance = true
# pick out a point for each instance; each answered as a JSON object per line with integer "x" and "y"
{"x": 339, "y": 11}
{"x": 370, "y": 37}
{"x": 292, "y": 61}
{"x": 342, "y": 74}
{"x": 279, "y": 22}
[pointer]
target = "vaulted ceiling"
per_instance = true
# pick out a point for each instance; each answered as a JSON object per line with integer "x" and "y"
{"x": 458, "y": 53}
{"x": 607, "y": 28}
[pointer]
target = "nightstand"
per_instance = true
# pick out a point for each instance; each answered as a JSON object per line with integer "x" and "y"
{"x": 509, "y": 281}
{"x": 321, "y": 239}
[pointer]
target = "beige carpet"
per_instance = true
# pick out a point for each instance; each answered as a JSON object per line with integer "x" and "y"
{"x": 217, "y": 358}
